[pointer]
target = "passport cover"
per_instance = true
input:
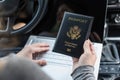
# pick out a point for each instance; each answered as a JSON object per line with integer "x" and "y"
{"x": 74, "y": 30}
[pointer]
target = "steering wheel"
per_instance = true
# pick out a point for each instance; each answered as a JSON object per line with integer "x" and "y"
{"x": 13, "y": 12}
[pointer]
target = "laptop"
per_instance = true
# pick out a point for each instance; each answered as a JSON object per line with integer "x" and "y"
{"x": 59, "y": 66}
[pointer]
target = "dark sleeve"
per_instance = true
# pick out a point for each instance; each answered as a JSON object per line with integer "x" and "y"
{"x": 83, "y": 73}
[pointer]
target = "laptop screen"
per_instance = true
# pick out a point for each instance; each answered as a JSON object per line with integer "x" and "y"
{"x": 95, "y": 8}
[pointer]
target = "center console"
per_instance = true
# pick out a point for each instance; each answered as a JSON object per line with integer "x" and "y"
{"x": 110, "y": 61}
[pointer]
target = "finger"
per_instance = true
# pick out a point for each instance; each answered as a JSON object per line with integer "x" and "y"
{"x": 75, "y": 60}
{"x": 40, "y": 62}
{"x": 40, "y": 45}
{"x": 37, "y": 45}
{"x": 93, "y": 50}
{"x": 40, "y": 50}
{"x": 90, "y": 42}
{"x": 87, "y": 47}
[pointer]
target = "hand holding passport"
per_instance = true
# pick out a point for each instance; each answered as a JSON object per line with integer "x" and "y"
{"x": 74, "y": 30}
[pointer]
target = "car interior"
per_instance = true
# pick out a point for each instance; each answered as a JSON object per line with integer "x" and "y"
{"x": 43, "y": 18}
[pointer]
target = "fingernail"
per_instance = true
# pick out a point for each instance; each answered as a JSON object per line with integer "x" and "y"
{"x": 43, "y": 62}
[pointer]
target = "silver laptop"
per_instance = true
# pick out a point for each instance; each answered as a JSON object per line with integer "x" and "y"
{"x": 59, "y": 66}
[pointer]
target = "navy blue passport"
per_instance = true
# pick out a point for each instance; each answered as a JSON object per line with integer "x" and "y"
{"x": 74, "y": 30}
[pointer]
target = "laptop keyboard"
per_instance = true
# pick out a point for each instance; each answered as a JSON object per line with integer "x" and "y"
{"x": 53, "y": 57}
{"x": 56, "y": 58}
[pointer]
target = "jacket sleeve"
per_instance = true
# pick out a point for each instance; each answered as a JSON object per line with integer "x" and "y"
{"x": 83, "y": 73}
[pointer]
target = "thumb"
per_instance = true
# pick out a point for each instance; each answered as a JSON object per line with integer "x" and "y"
{"x": 40, "y": 62}
{"x": 75, "y": 60}
{"x": 87, "y": 46}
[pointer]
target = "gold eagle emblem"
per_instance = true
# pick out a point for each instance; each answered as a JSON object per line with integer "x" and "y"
{"x": 74, "y": 32}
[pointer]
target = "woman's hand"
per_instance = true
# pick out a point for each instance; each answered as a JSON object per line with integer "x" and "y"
{"x": 37, "y": 48}
{"x": 87, "y": 58}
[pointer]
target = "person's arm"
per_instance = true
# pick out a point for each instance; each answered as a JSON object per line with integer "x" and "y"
{"x": 83, "y": 67}
{"x": 83, "y": 73}
{"x": 34, "y": 49}
{"x": 14, "y": 67}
